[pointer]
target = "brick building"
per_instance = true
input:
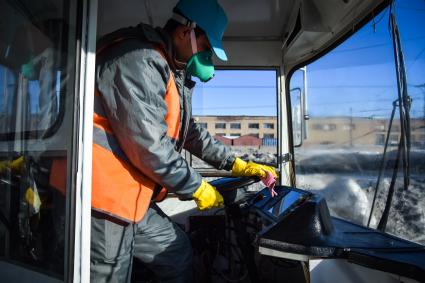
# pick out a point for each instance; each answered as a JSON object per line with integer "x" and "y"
{"x": 236, "y": 126}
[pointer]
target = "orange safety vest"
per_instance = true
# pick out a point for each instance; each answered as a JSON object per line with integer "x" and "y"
{"x": 119, "y": 188}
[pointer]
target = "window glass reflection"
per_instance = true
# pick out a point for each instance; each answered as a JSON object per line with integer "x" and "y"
{"x": 37, "y": 63}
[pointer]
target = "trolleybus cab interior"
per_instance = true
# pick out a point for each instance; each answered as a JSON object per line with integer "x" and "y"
{"x": 329, "y": 92}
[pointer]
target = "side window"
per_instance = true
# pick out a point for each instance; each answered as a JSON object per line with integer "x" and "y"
{"x": 37, "y": 69}
{"x": 233, "y": 107}
{"x": 351, "y": 94}
{"x": 32, "y": 75}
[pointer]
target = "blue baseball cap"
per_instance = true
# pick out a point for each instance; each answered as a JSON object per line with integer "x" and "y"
{"x": 210, "y": 17}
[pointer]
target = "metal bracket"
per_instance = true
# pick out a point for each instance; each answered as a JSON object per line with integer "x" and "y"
{"x": 286, "y": 157}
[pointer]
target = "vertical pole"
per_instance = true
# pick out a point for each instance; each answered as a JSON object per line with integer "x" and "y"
{"x": 423, "y": 105}
{"x": 305, "y": 103}
{"x": 351, "y": 126}
{"x": 81, "y": 272}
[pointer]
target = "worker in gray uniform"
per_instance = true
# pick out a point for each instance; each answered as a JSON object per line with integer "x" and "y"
{"x": 142, "y": 120}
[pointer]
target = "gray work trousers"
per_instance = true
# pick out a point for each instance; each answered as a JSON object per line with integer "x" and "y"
{"x": 156, "y": 241}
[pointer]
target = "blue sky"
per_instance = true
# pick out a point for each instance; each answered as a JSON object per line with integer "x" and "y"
{"x": 237, "y": 93}
{"x": 357, "y": 77}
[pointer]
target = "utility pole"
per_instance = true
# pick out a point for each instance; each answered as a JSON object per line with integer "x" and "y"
{"x": 304, "y": 104}
{"x": 351, "y": 126}
{"x": 423, "y": 92}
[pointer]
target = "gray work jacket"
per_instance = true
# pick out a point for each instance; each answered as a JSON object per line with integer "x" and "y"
{"x": 132, "y": 77}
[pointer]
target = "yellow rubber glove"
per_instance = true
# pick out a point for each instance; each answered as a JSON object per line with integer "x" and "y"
{"x": 249, "y": 169}
{"x": 4, "y": 165}
{"x": 206, "y": 196}
{"x": 15, "y": 165}
{"x": 33, "y": 199}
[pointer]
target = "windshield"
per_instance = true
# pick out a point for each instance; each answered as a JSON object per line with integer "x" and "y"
{"x": 351, "y": 94}
{"x": 238, "y": 108}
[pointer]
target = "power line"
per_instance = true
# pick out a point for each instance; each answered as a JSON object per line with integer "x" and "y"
{"x": 373, "y": 46}
{"x": 239, "y": 86}
{"x": 357, "y": 86}
{"x": 331, "y": 86}
{"x": 374, "y": 110}
{"x": 354, "y": 86}
{"x": 234, "y": 107}
{"x": 412, "y": 9}
{"x": 416, "y": 58}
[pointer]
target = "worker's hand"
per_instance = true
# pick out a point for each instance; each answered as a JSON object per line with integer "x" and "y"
{"x": 33, "y": 199}
{"x": 14, "y": 165}
{"x": 4, "y": 165}
{"x": 250, "y": 169}
{"x": 17, "y": 164}
{"x": 206, "y": 196}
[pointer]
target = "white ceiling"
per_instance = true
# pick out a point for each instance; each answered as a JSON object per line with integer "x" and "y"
{"x": 258, "y": 30}
{"x": 246, "y": 17}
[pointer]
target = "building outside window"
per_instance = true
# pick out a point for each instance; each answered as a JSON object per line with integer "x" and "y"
{"x": 235, "y": 125}
{"x": 380, "y": 127}
{"x": 325, "y": 127}
{"x": 228, "y": 119}
{"x": 220, "y": 125}
{"x": 380, "y": 139}
{"x": 268, "y": 136}
{"x": 268, "y": 126}
{"x": 348, "y": 127}
{"x": 253, "y": 125}
{"x": 393, "y": 139}
{"x": 203, "y": 125}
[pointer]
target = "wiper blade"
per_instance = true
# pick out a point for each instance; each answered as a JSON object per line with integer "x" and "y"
{"x": 404, "y": 103}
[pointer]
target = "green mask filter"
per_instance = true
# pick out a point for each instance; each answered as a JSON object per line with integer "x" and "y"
{"x": 28, "y": 70}
{"x": 200, "y": 65}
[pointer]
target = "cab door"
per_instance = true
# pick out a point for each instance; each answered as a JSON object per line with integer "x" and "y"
{"x": 46, "y": 70}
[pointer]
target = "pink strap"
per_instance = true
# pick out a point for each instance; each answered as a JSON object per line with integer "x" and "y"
{"x": 193, "y": 41}
{"x": 269, "y": 181}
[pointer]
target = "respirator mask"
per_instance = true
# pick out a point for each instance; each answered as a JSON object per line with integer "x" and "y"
{"x": 200, "y": 65}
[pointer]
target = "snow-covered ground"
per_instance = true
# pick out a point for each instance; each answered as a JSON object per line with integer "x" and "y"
{"x": 350, "y": 197}
{"x": 347, "y": 179}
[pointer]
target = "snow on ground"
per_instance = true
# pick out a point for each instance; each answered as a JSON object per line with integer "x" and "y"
{"x": 346, "y": 177}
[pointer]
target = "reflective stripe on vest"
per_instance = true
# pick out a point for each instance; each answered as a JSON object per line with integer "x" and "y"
{"x": 119, "y": 188}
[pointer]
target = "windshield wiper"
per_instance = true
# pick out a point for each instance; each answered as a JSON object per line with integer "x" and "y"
{"x": 403, "y": 152}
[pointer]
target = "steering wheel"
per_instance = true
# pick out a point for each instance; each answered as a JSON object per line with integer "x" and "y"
{"x": 229, "y": 184}
{"x": 228, "y": 187}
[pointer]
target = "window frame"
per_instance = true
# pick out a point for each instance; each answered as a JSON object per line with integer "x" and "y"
{"x": 280, "y": 136}
{"x": 251, "y": 126}
{"x": 224, "y": 124}
{"x": 268, "y": 124}
{"x": 235, "y": 128}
